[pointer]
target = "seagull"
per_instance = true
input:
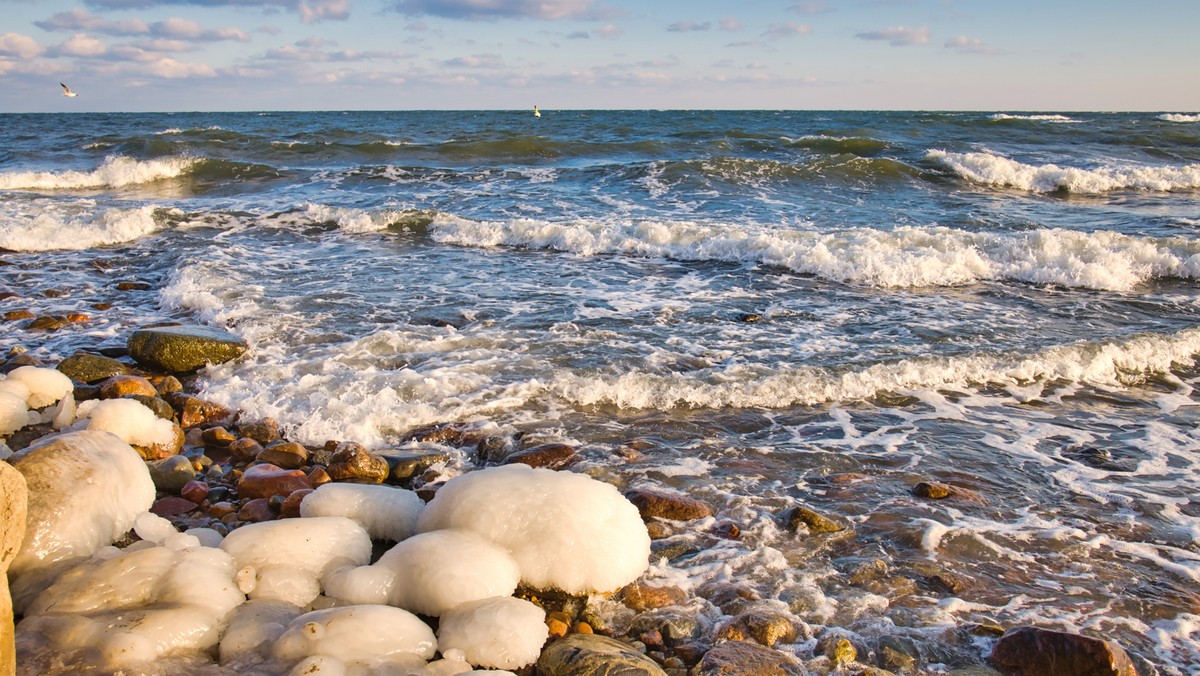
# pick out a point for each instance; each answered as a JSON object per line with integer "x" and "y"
{"x": 67, "y": 90}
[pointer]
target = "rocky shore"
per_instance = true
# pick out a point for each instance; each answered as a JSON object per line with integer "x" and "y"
{"x": 214, "y": 470}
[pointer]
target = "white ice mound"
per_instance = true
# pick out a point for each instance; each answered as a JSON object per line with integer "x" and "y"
{"x": 599, "y": 544}
{"x": 283, "y": 560}
{"x": 46, "y": 386}
{"x": 129, "y": 419}
{"x": 382, "y": 638}
{"x": 136, "y": 606}
{"x": 501, "y": 632}
{"x": 85, "y": 490}
{"x": 430, "y": 573}
{"x": 386, "y": 512}
{"x": 14, "y": 412}
{"x": 254, "y": 624}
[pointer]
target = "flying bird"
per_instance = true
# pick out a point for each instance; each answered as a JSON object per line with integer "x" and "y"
{"x": 67, "y": 90}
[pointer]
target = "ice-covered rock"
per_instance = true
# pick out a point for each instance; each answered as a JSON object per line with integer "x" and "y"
{"x": 430, "y": 573}
{"x": 386, "y": 512}
{"x": 135, "y": 606}
{"x": 387, "y": 639}
{"x": 284, "y": 560}
{"x": 255, "y": 624}
{"x": 598, "y": 544}
{"x": 14, "y": 413}
{"x": 45, "y": 386}
{"x": 85, "y": 490}
{"x": 501, "y": 632}
{"x": 129, "y": 419}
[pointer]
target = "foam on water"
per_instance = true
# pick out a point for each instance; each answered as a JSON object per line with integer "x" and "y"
{"x": 53, "y": 226}
{"x": 115, "y": 172}
{"x": 997, "y": 170}
{"x": 909, "y": 256}
{"x": 1035, "y": 118}
{"x": 1179, "y": 117}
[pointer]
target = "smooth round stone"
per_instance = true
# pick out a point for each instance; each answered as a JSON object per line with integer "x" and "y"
{"x": 652, "y": 503}
{"x": 289, "y": 455}
{"x": 933, "y": 490}
{"x": 171, "y": 474}
{"x": 115, "y": 387}
{"x": 1031, "y": 650}
{"x": 263, "y": 481}
{"x": 814, "y": 521}
{"x": 352, "y": 462}
{"x": 765, "y": 628}
{"x": 550, "y": 456}
{"x": 90, "y": 368}
{"x": 196, "y": 491}
{"x": 594, "y": 655}
{"x": 641, "y": 597}
{"x": 181, "y": 349}
{"x": 738, "y": 658}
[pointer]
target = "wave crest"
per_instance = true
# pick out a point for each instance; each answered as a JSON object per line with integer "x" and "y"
{"x": 990, "y": 169}
{"x": 55, "y": 230}
{"x": 114, "y": 172}
{"x": 1178, "y": 117}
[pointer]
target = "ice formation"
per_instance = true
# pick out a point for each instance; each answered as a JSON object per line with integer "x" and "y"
{"x": 254, "y": 624}
{"x": 86, "y": 489}
{"x": 502, "y": 632}
{"x": 599, "y": 544}
{"x": 386, "y": 512}
{"x": 376, "y": 637}
{"x": 46, "y": 386}
{"x": 284, "y": 560}
{"x": 430, "y": 574}
{"x": 14, "y": 414}
{"x": 129, "y": 419}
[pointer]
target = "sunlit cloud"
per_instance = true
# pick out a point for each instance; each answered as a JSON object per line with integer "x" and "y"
{"x": 730, "y": 24}
{"x": 790, "y": 29}
{"x": 81, "y": 45}
{"x": 309, "y": 10}
{"x": 475, "y": 10}
{"x": 811, "y": 7}
{"x": 173, "y": 28}
{"x": 968, "y": 45}
{"x": 898, "y": 36}
{"x": 18, "y": 45}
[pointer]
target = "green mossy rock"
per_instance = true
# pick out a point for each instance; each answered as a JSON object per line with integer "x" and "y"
{"x": 181, "y": 349}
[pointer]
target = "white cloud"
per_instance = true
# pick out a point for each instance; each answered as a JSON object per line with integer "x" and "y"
{"x": 476, "y": 61}
{"x": 174, "y": 28}
{"x": 968, "y": 45}
{"x": 730, "y": 24}
{"x": 81, "y": 45}
{"x": 898, "y": 36}
{"x": 171, "y": 69}
{"x": 811, "y": 7}
{"x": 791, "y": 29}
{"x": 608, "y": 31}
{"x": 512, "y": 9}
{"x": 18, "y": 45}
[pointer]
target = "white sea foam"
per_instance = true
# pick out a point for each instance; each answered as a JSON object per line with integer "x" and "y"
{"x": 903, "y": 257}
{"x": 992, "y": 169}
{"x": 1179, "y": 117}
{"x": 42, "y": 227}
{"x": 115, "y": 172}
{"x": 1035, "y": 118}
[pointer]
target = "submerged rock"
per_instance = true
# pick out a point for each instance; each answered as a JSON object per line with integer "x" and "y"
{"x": 814, "y": 521}
{"x": 181, "y": 349}
{"x": 550, "y": 456}
{"x": 651, "y": 503}
{"x": 1030, "y": 650}
{"x": 738, "y": 658}
{"x": 594, "y": 655}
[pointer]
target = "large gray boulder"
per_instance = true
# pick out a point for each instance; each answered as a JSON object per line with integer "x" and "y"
{"x": 180, "y": 349}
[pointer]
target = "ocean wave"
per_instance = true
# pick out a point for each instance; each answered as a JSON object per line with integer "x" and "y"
{"x": 1000, "y": 117}
{"x": 1178, "y": 117}
{"x": 759, "y": 172}
{"x": 857, "y": 145}
{"x": 83, "y": 227}
{"x": 903, "y": 257}
{"x": 990, "y": 169}
{"x": 115, "y": 172}
{"x": 353, "y": 220}
{"x": 1117, "y": 363}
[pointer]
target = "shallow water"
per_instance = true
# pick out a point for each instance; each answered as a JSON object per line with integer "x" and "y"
{"x": 787, "y": 307}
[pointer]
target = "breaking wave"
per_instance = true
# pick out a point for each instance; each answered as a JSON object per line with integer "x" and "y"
{"x": 55, "y": 230}
{"x": 115, "y": 172}
{"x": 990, "y": 169}
{"x": 1000, "y": 117}
{"x": 1178, "y": 117}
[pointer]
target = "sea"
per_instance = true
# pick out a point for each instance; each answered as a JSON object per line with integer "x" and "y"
{"x": 758, "y": 309}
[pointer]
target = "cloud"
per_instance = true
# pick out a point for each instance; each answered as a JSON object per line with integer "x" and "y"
{"x": 18, "y": 45}
{"x": 578, "y": 35}
{"x": 688, "y": 27}
{"x": 171, "y": 69}
{"x": 174, "y": 28}
{"x": 81, "y": 45}
{"x": 811, "y": 7}
{"x": 475, "y": 10}
{"x": 898, "y": 36}
{"x": 476, "y": 61}
{"x": 608, "y": 32}
{"x": 966, "y": 45}
{"x": 309, "y": 10}
{"x": 791, "y": 29}
{"x": 309, "y": 50}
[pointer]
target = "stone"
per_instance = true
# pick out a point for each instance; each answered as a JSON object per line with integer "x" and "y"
{"x": 165, "y": 449}
{"x": 457, "y": 435}
{"x": 594, "y": 655}
{"x": 194, "y": 412}
{"x": 90, "y": 368}
{"x": 218, "y": 437}
{"x": 1031, "y": 650}
{"x": 405, "y": 466}
{"x": 738, "y": 658}
{"x": 932, "y": 490}
{"x": 196, "y": 491}
{"x": 13, "y": 501}
{"x": 319, "y": 477}
{"x": 171, "y": 474}
{"x": 651, "y": 503}
{"x": 245, "y": 449}
{"x": 897, "y": 653}
{"x": 256, "y": 510}
{"x": 353, "y": 462}
{"x": 263, "y": 481}
{"x": 814, "y": 521}
{"x": 48, "y": 323}
{"x": 17, "y": 315}
{"x": 263, "y": 431}
{"x": 550, "y": 456}
{"x": 182, "y": 349}
{"x": 157, "y": 404}
{"x": 133, "y": 286}
{"x": 115, "y": 387}
{"x": 762, "y": 627}
{"x": 172, "y": 506}
{"x": 673, "y": 625}
{"x": 641, "y": 597}
{"x": 290, "y": 509}
{"x": 838, "y": 649}
{"x": 166, "y": 384}
{"x": 286, "y": 454}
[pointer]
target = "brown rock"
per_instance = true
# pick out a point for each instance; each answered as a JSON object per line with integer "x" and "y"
{"x": 196, "y": 491}
{"x": 557, "y": 627}
{"x": 450, "y": 434}
{"x": 651, "y": 503}
{"x": 263, "y": 431}
{"x": 15, "y": 315}
{"x": 354, "y": 463}
{"x": 582, "y": 628}
{"x": 286, "y": 454}
{"x": 263, "y": 481}
{"x": 102, "y": 306}
{"x": 550, "y": 456}
{"x": 319, "y": 477}
{"x": 194, "y": 412}
{"x": 405, "y": 465}
{"x": 641, "y": 597}
{"x": 727, "y": 530}
{"x": 738, "y": 658}
{"x": 172, "y": 506}
{"x": 115, "y": 387}
{"x": 133, "y": 286}
{"x": 76, "y": 317}
{"x": 290, "y": 508}
{"x": 13, "y": 503}
{"x": 1030, "y": 650}
{"x": 932, "y": 490}
{"x": 256, "y": 510}
{"x": 427, "y": 491}
{"x": 221, "y": 509}
{"x": 217, "y": 437}
{"x": 813, "y": 521}
{"x": 167, "y": 384}
{"x": 762, "y": 627}
{"x": 658, "y": 529}
{"x": 245, "y": 449}
{"x": 160, "y": 407}
{"x": 48, "y": 323}
{"x": 164, "y": 450}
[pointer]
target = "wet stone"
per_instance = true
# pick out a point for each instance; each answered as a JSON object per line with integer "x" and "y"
{"x": 17, "y": 315}
{"x": 1027, "y": 651}
{"x": 458, "y": 435}
{"x": 550, "y": 456}
{"x": 263, "y": 481}
{"x": 651, "y": 503}
{"x": 172, "y": 506}
{"x": 290, "y": 508}
{"x": 115, "y": 387}
{"x": 815, "y": 522}
{"x": 594, "y": 655}
{"x": 641, "y": 597}
{"x": 163, "y": 450}
{"x": 245, "y": 450}
{"x": 181, "y": 349}
{"x": 157, "y": 404}
{"x": 404, "y": 466}
{"x": 48, "y": 323}
{"x": 171, "y": 474}
{"x": 196, "y": 491}
{"x": 673, "y": 625}
{"x": 286, "y": 454}
{"x": 317, "y": 476}
{"x": 897, "y": 653}
{"x": 932, "y": 490}
{"x": 765, "y": 628}
{"x": 194, "y": 412}
{"x": 263, "y": 431}
{"x": 256, "y": 510}
{"x": 133, "y": 286}
{"x": 354, "y": 463}
{"x": 218, "y": 437}
{"x": 838, "y": 649}
{"x": 90, "y": 368}
{"x": 738, "y": 658}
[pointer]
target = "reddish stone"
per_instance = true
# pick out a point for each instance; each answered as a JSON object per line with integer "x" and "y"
{"x": 550, "y": 456}
{"x": 652, "y": 503}
{"x": 291, "y": 505}
{"x": 194, "y": 411}
{"x": 319, "y": 477}
{"x": 171, "y": 506}
{"x": 740, "y": 657}
{"x": 427, "y": 491}
{"x": 195, "y": 491}
{"x": 256, "y": 510}
{"x": 76, "y": 317}
{"x": 115, "y": 387}
{"x": 1029, "y": 650}
{"x": 221, "y": 509}
{"x": 641, "y": 597}
{"x": 652, "y": 638}
{"x": 727, "y": 530}
{"x": 263, "y": 431}
{"x": 263, "y": 481}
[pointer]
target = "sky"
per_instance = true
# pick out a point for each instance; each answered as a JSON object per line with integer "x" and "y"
{"x": 232, "y": 55}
